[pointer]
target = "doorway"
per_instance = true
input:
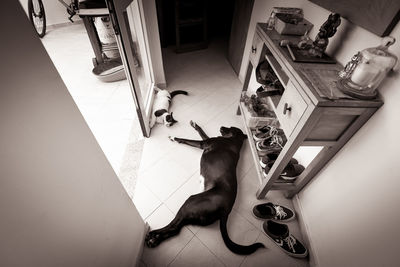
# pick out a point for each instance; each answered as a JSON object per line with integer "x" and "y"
{"x": 109, "y": 107}
{"x": 199, "y": 24}
{"x": 183, "y": 22}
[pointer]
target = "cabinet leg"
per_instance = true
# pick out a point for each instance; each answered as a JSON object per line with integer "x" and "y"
{"x": 261, "y": 193}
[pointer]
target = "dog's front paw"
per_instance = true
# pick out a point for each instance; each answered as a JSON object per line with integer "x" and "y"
{"x": 193, "y": 124}
{"x": 172, "y": 138}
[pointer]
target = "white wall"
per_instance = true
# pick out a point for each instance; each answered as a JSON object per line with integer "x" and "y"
{"x": 61, "y": 204}
{"x": 351, "y": 207}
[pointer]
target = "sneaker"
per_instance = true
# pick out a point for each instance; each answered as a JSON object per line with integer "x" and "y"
{"x": 273, "y": 212}
{"x": 287, "y": 171}
{"x": 262, "y": 133}
{"x": 272, "y": 144}
{"x": 266, "y": 131}
{"x": 268, "y": 158}
{"x": 267, "y": 168}
{"x": 292, "y": 171}
{"x": 279, "y": 233}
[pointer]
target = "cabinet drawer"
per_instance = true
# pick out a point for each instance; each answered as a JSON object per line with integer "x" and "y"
{"x": 290, "y": 108}
{"x": 255, "y": 50}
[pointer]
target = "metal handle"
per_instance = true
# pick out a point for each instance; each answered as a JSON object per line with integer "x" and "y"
{"x": 253, "y": 49}
{"x": 286, "y": 108}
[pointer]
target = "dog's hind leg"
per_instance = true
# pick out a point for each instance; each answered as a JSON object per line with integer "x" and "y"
{"x": 203, "y": 135}
{"x": 194, "y": 143}
{"x": 155, "y": 237}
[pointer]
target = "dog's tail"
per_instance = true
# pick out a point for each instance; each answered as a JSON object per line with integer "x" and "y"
{"x": 236, "y": 248}
{"x": 178, "y": 92}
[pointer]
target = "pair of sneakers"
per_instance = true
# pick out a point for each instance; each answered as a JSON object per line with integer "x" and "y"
{"x": 278, "y": 232}
{"x": 263, "y": 132}
{"x": 292, "y": 170}
{"x": 269, "y": 139}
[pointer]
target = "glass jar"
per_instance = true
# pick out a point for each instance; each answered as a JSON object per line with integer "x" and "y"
{"x": 368, "y": 68}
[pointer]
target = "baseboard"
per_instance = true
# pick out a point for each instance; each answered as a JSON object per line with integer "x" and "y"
{"x": 140, "y": 252}
{"x": 60, "y": 25}
{"x": 241, "y": 78}
{"x": 305, "y": 231}
{"x": 162, "y": 85}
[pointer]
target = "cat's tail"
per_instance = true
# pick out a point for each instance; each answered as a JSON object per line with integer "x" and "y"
{"x": 178, "y": 92}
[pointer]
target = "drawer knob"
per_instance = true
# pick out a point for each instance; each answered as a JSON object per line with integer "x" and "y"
{"x": 286, "y": 108}
{"x": 253, "y": 49}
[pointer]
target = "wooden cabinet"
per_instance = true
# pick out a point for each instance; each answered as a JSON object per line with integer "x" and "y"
{"x": 311, "y": 111}
{"x": 290, "y": 109}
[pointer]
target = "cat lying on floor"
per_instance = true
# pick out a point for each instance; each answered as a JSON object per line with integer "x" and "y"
{"x": 160, "y": 113}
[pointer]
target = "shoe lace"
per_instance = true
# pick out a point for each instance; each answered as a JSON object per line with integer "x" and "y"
{"x": 273, "y": 130}
{"x": 276, "y": 140}
{"x": 290, "y": 241}
{"x": 280, "y": 213}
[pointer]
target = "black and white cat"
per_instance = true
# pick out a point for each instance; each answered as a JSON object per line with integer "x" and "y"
{"x": 161, "y": 103}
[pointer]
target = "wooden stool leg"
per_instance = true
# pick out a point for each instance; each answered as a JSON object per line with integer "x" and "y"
{"x": 93, "y": 37}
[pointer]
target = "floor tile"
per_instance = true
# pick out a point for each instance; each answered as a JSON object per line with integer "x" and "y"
{"x": 246, "y": 197}
{"x": 240, "y": 231}
{"x": 186, "y": 156}
{"x": 168, "y": 250}
{"x": 164, "y": 178}
{"x": 145, "y": 200}
{"x": 196, "y": 254}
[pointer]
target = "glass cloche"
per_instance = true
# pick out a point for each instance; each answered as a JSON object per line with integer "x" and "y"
{"x": 366, "y": 70}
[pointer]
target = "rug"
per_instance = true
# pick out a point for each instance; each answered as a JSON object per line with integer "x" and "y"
{"x": 130, "y": 163}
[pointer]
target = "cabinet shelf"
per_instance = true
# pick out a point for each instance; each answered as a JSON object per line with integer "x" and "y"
{"x": 252, "y": 144}
{"x": 306, "y": 118}
{"x": 283, "y": 78}
{"x": 279, "y": 185}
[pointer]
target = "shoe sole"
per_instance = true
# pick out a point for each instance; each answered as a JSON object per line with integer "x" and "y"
{"x": 257, "y": 139}
{"x": 288, "y": 178}
{"x": 263, "y": 152}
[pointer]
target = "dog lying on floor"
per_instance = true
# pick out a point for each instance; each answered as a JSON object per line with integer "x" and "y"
{"x": 218, "y": 168}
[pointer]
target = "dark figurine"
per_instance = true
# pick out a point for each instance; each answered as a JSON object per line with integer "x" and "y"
{"x": 327, "y": 30}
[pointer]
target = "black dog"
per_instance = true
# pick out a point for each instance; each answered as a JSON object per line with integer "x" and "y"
{"x": 218, "y": 167}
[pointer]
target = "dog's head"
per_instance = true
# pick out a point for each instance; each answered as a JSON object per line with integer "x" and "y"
{"x": 232, "y": 132}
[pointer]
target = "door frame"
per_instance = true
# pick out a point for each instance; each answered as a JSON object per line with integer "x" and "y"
{"x": 119, "y": 17}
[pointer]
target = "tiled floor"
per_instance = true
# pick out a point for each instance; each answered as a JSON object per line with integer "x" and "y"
{"x": 169, "y": 172}
{"x": 108, "y": 108}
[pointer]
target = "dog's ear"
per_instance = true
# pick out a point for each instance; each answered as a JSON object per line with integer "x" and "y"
{"x": 160, "y": 112}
